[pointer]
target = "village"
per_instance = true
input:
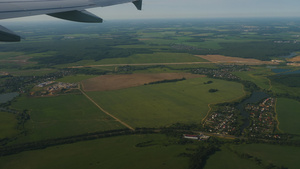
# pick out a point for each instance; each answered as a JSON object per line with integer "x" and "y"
{"x": 224, "y": 72}
{"x": 222, "y": 121}
{"x": 225, "y": 120}
{"x": 51, "y": 88}
{"x": 263, "y": 119}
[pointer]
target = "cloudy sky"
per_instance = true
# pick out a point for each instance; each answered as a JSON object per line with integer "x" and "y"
{"x": 197, "y": 9}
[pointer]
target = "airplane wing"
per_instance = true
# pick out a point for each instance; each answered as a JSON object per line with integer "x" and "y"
{"x": 73, "y": 10}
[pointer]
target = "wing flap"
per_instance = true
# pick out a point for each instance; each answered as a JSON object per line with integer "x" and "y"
{"x": 78, "y": 16}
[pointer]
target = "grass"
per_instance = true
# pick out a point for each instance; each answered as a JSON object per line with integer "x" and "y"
{"x": 108, "y": 153}
{"x": 257, "y": 76}
{"x": 8, "y": 124}
{"x": 75, "y": 78}
{"x": 287, "y": 156}
{"x": 288, "y": 115}
{"x": 31, "y": 72}
{"x": 227, "y": 159}
{"x": 164, "y": 104}
{"x": 158, "y": 57}
{"x": 61, "y": 116}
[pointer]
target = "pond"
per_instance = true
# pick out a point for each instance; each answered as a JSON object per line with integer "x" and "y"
{"x": 8, "y": 97}
{"x": 255, "y": 97}
{"x": 280, "y": 70}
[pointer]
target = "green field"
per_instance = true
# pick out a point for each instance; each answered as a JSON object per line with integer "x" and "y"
{"x": 164, "y": 104}
{"x": 107, "y": 153}
{"x": 288, "y": 112}
{"x": 62, "y": 116}
{"x": 287, "y": 156}
{"x": 257, "y": 76}
{"x": 8, "y": 125}
{"x": 229, "y": 160}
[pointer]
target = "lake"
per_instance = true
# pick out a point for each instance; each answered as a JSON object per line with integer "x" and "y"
{"x": 8, "y": 97}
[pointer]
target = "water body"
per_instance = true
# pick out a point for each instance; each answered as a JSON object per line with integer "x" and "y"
{"x": 280, "y": 70}
{"x": 255, "y": 97}
{"x": 8, "y": 97}
{"x": 290, "y": 55}
{"x": 285, "y": 71}
{"x": 292, "y": 72}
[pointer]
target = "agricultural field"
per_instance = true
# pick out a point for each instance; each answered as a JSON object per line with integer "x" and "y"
{"x": 278, "y": 155}
{"x": 116, "y": 82}
{"x": 165, "y": 104}
{"x": 72, "y": 113}
{"x": 75, "y": 78}
{"x": 110, "y": 153}
{"x": 8, "y": 125}
{"x": 288, "y": 115}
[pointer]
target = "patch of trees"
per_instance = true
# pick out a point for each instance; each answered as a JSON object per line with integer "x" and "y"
{"x": 208, "y": 82}
{"x": 262, "y": 50}
{"x": 291, "y": 80}
{"x": 198, "y": 159}
{"x": 166, "y": 81}
{"x": 212, "y": 90}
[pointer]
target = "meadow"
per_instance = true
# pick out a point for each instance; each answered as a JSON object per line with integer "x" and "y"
{"x": 227, "y": 159}
{"x": 258, "y": 76}
{"x": 62, "y": 116}
{"x": 109, "y": 153}
{"x": 288, "y": 115}
{"x": 165, "y": 104}
{"x": 8, "y": 125}
{"x": 279, "y": 155}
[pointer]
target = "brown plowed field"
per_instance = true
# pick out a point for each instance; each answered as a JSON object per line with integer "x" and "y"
{"x": 295, "y": 59}
{"x": 115, "y": 82}
{"x": 236, "y": 60}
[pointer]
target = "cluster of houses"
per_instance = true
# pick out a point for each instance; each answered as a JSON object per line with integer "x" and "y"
{"x": 52, "y": 87}
{"x": 223, "y": 73}
{"x": 262, "y": 115}
{"x": 196, "y": 137}
{"x": 223, "y": 121}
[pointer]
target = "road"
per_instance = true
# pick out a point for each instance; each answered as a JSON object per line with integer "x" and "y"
{"x": 118, "y": 120}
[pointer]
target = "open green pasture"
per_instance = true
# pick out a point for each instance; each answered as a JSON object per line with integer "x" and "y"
{"x": 8, "y": 125}
{"x": 287, "y": 156}
{"x": 164, "y": 104}
{"x": 258, "y": 76}
{"x": 158, "y": 57}
{"x": 107, "y": 153}
{"x": 31, "y": 72}
{"x": 227, "y": 159}
{"x": 61, "y": 116}
{"x": 75, "y": 78}
{"x": 288, "y": 112}
{"x": 9, "y": 55}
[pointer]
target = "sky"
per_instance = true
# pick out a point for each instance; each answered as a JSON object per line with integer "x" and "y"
{"x": 160, "y": 9}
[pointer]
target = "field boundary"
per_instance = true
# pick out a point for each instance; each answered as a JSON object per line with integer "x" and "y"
{"x": 118, "y": 120}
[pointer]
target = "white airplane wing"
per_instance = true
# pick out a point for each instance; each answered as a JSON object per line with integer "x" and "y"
{"x": 73, "y": 10}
